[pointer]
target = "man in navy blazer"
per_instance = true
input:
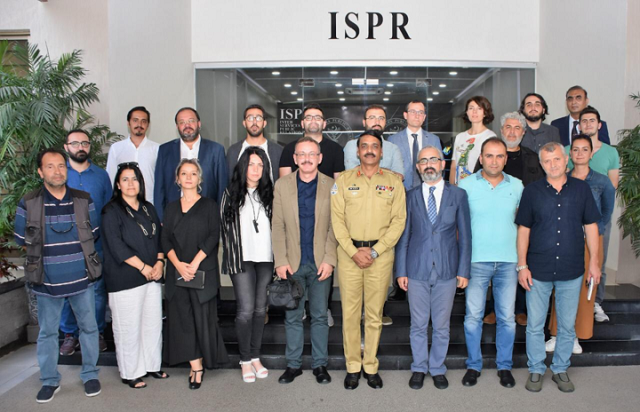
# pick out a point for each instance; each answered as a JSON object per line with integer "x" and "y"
{"x": 414, "y": 136}
{"x": 191, "y": 145}
{"x": 433, "y": 256}
{"x": 577, "y": 100}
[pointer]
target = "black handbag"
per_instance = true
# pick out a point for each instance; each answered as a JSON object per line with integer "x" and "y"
{"x": 284, "y": 293}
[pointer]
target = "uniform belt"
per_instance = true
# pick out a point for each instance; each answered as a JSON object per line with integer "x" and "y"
{"x": 364, "y": 243}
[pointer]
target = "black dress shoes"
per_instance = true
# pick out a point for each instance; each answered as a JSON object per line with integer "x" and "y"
{"x": 506, "y": 378}
{"x": 416, "y": 381}
{"x": 397, "y": 294}
{"x": 440, "y": 382}
{"x": 373, "y": 380}
{"x": 321, "y": 374}
{"x": 471, "y": 377}
{"x": 289, "y": 375}
{"x": 351, "y": 380}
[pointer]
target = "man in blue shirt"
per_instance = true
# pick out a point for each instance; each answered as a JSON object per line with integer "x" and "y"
{"x": 84, "y": 175}
{"x": 551, "y": 218}
{"x": 59, "y": 266}
{"x": 494, "y": 197}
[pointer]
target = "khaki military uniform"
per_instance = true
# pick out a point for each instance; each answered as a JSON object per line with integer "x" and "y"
{"x": 365, "y": 209}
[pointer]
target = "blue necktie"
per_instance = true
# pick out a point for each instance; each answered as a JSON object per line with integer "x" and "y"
{"x": 415, "y": 150}
{"x": 431, "y": 207}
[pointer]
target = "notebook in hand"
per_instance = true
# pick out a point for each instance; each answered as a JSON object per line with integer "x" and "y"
{"x": 196, "y": 283}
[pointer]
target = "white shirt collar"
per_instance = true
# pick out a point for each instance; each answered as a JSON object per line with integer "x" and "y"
{"x": 186, "y": 153}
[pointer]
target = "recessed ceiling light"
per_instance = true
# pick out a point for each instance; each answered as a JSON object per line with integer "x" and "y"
{"x": 450, "y": 101}
{"x": 342, "y": 99}
{"x": 386, "y": 99}
{"x": 299, "y": 99}
{"x": 436, "y": 93}
{"x": 287, "y": 85}
{"x": 334, "y": 72}
{"x": 429, "y": 99}
{"x": 294, "y": 92}
{"x": 393, "y": 72}
{"x": 387, "y": 92}
{"x": 442, "y": 85}
{"x": 389, "y": 84}
{"x": 453, "y": 73}
{"x": 276, "y": 73}
{"x": 340, "y": 92}
{"x": 338, "y": 84}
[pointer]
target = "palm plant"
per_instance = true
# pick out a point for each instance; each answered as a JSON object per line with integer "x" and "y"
{"x": 39, "y": 100}
{"x": 629, "y": 187}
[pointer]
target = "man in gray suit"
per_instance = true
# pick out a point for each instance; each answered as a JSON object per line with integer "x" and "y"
{"x": 433, "y": 256}
{"x": 412, "y": 139}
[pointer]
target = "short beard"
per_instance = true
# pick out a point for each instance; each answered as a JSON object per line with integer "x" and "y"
{"x": 257, "y": 134}
{"x": 512, "y": 145}
{"x": 79, "y": 157}
{"x": 190, "y": 137}
{"x": 533, "y": 118}
{"x": 430, "y": 175}
{"x": 55, "y": 185}
{"x": 138, "y": 132}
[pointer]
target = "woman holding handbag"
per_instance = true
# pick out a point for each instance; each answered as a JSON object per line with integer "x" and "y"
{"x": 190, "y": 240}
{"x": 247, "y": 254}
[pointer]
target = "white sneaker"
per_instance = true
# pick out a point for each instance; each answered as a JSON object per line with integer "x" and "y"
{"x": 550, "y": 345}
{"x": 599, "y": 313}
{"x": 577, "y": 349}
{"x": 330, "y": 320}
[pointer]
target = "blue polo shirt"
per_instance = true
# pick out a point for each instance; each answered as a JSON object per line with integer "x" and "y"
{"x": 307, "y": 217}
{"x": 556, "y": 220}
{"x": 493, "y": 212}
{"x": 96, "y": 182}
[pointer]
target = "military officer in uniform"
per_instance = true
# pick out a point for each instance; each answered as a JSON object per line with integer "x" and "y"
{"x": 368, "y": 214}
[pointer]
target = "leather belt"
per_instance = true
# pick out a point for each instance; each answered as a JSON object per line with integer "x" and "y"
{"x": 364, "y": 243}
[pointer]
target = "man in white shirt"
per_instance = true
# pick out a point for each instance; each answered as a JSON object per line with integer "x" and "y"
{"x": 136, "y": 148}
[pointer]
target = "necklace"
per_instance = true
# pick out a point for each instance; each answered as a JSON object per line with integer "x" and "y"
{"x": 153, "y": 225}
{"x": 255, "y": 215}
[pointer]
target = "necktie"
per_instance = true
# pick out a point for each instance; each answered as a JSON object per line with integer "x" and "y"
{"x": 431, "y": 207}
{"x": 574, "y": 131}
{"x": 415, "y": 148}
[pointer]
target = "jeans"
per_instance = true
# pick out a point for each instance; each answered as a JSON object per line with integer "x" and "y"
{"x": 317, "y": 293}
{"x": 567, "y": 296}
{"x": 603, "y": 278}
{"x": 49, "y": 311}
{"x": 504, "y": 278}
{"x": 68, "y": 322}
{"x": 250, "y": 288}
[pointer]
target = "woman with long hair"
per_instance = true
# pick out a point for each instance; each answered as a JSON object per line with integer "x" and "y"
{"x": 190, "y": 239}
{"x": 247, "y": 254}
{"x": 466, "y": 146}
{"x": 134, "y": 266}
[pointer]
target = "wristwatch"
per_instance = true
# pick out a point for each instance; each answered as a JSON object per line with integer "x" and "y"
{"x": 519, "y": 268}
{"x": 374, "y": 254}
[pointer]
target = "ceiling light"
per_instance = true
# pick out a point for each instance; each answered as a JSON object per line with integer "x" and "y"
{"x": 451, "y": 101}
{"x": 442, "y": 85}
{"x": 389, "y": 84}
{"x": 357, "y": 82}
{"x": 386, "y": 99}
{"x": 393, "y": 72}
{"x": 436, "y": 93}
{"x": 340, "y": 92}
{"x": 373, "y": 82}
{"x": 276, "y": 73}
{"x": 342, "y": 99}
{"x": 338, "y": 84}
{"x": 287, "y": 85}
{"x": 294, "y": 93}
{"x": 299, "y": 99}
{"x": 429, "y": 99}
{"x": 387, "y": 93}
{"x": 453, "y": 73}
{"x": 334, "y": 72}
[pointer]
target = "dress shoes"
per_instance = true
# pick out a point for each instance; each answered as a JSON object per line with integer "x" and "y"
{"x": 521, "y": 319}
{"x": 417, "y": 380}
{"x": 471, "y": 377}
{"x": 373, "y": 379}
{"x": 506, "y": 378}
{"x": 351, "y": 380}
{"x": 440, "y": 382}
{"x": 490, "y": 319}
{"x": 397, "y": 294}
{"x": 289, "y": 375}
{"x": 322, "y": 375}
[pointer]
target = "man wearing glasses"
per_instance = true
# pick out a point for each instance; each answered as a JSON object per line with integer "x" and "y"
{"x": 313, "y": 124}
{"x": 86, "y": 176}
{"x": 190, "y": 145}
{"x": 255, "y": 122}
{"x": 57, "y": 227}
{"x": 375, "y": 118}
{"x": 136, "y": 148}
{"x": 433, "y": 256}
{"x": 412, "y": 139}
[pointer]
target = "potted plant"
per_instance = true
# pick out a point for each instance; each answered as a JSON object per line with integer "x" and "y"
{"x": 629, "y": 186}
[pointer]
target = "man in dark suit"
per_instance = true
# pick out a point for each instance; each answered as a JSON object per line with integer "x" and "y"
{"x": 569, "y": 126}
{"x": 433, "y": 256}
{"x": 412, "y": 139}
{"x": 191, "y": 145}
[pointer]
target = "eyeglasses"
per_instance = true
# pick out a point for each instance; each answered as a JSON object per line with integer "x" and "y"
{"x": 317, "y": 118}
{"x": 75, "y": 145}
{"x": 127, "y": 165}
{"x": 416, "y": 112}
{"x": 311, "y": 155}
{"x": 251, "y": 118}
{"x": 379, "y": 118}
{"x": 188, "y": 121}
{"x": 430, "y": 160}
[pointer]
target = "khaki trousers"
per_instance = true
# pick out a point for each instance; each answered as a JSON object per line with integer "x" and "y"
{"x": 374, "y": 283}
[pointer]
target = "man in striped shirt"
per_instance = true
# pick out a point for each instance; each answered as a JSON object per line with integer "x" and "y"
{"x": 66, "y": 274}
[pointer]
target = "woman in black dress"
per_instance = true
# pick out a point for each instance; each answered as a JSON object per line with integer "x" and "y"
{"x": 247, "y": 255}
{"x": 134, "y": 265}
{"x": 190, "y": 240}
